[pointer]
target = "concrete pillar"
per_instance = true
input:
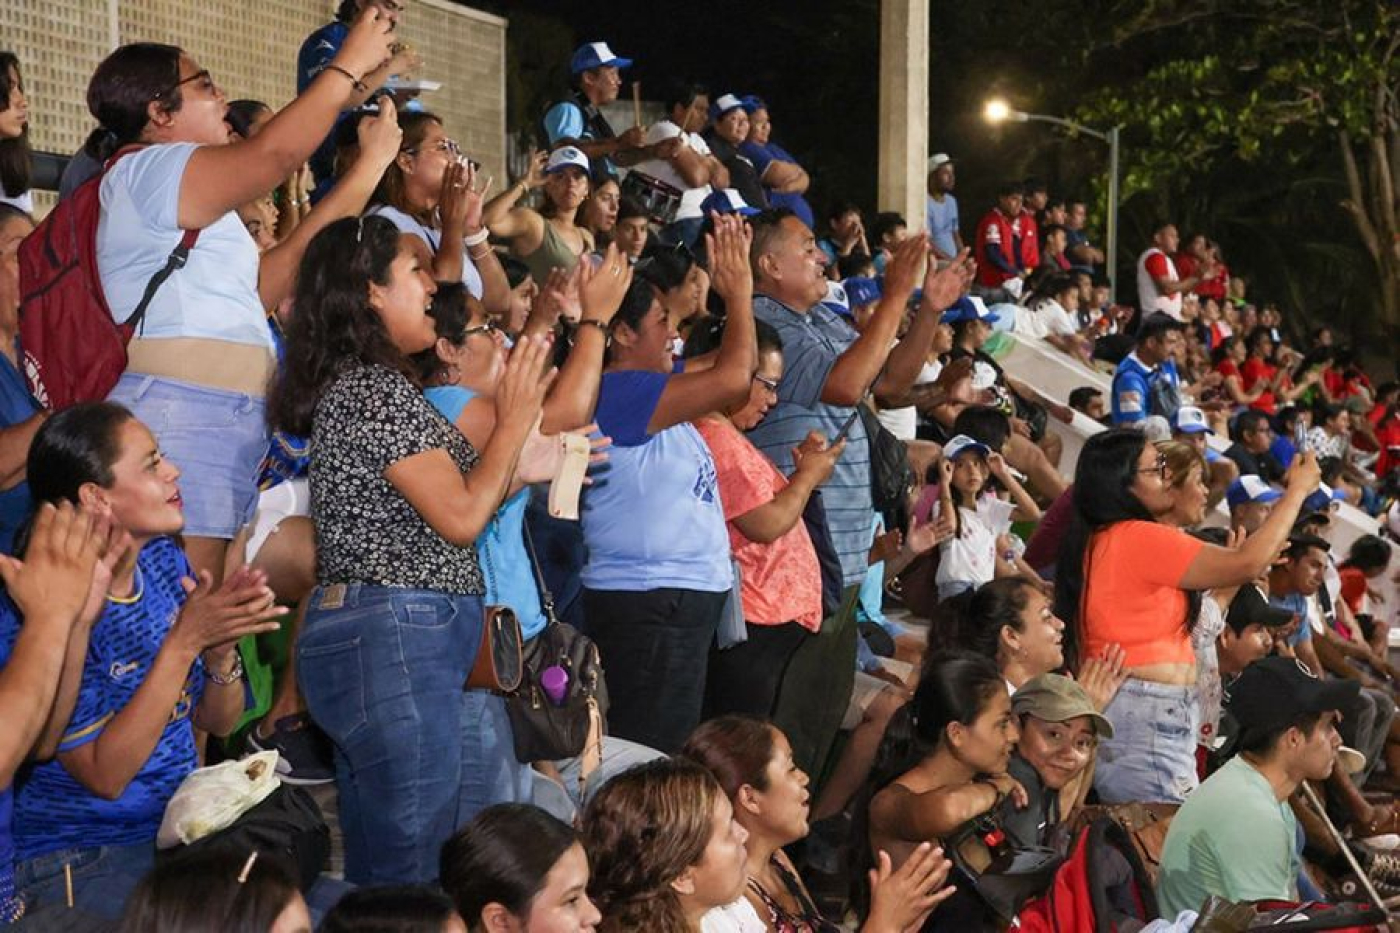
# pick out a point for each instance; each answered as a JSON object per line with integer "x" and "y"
{"x": 904, "y": 35}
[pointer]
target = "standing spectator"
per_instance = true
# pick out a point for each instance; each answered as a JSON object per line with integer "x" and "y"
{"x": 1145, "y": 383}
{"x": 728, "y": 129}
{"x": 1034, "y": 197}
{"x": 653, "y": 596}
{"x": 20, "y": 414}
{"x": 577, "y": 120}
{"x": 845, "y": 236}
{"x": 1084, "y": 255}
{"x": 427, "y": 192}
{"x": 398, "y": 497}
{"x": 1160, "y": 286}
{"x": 784, "y": 180}
{"x": 998, "y": 249}
{"x": 14, "y": 136}
{"x": 550, "y": 238}
{"x": 941, "y": 210}
{"x": 691, "y": 168}
{"x": 198, "y": 370}
{"x": 320, "y": 49}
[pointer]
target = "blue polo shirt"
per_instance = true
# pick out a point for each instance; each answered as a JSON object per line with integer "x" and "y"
{"x": 16, "y": 407}
{"x": 52, "y": 810}
{"x": 812, "y": 342}
{"x": 652, "y": 518}
{"x": 1139, "y": 391}
{"x": 1297, "y": 604}
{"x": 764, "y": 156}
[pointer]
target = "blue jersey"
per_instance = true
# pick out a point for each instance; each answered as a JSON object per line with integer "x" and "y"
{"x": 9, "y": 903}
{"x": 53, "y": 811}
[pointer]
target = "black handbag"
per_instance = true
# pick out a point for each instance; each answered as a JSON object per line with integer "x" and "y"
{"x": 1003, "y": 875}
{"x": 543, "y": 728}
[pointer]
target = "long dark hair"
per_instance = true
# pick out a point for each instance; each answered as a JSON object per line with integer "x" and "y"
{"x": 397, "y": 908}
{"x": 333, "y": 326}
{"x": 1103, "y": 496}
{"x": 75, "y": 446}
{"x": 973, "y": 620}
{"x": 391, "y": 188}
{"x": 124, "y": 85}
{"x": 735, "y": 749}
{"x": 503, "y": 857}
{"x": 210, "y": 889}
{"x": 14, "y": 153}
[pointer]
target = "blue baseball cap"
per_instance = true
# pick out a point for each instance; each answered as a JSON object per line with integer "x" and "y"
{"x": 595, "y": 55}
{"x": 862, "y": 290}
{"x": 836, "y": 300}
{"x": 1321, "y": 498}
{"x": 727, "y": 201}
{"x": 969, "y": 308}
{"x": 752, "y": 103}
{"x": 1251, "y": 488}
{"x": 724, "y": 104}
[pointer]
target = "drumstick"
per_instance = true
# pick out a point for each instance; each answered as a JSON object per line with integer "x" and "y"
{"x": 637, "y": 102}
{"x": 68, "y": 883}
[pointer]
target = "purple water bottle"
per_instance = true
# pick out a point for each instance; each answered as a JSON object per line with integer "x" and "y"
{"x": 555, "y": 681}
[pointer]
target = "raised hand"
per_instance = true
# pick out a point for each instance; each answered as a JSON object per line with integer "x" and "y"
{"x": 368, "y": 45}
{"x": 380, "y": 136}
{"x": 600, "y": 290}
{"x": 902, "y": 271}
{"x": 461, "y": 199}
{"x": 527, "y": 378}
{"x": 213, "y": 619}
{"x": 54, "y": 578}
{"x": 944, "y": 286}
{"x": 731, "y": 276}
{"x": 534, "y": 171}
{"x": 1304, "y": 473}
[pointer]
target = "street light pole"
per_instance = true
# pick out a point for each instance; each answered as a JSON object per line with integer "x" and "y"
{"x": 998, "y": 111}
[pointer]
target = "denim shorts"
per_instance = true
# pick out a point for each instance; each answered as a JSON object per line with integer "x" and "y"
{"x": 218, "y": 440}
{"x": 1152, "y": 755}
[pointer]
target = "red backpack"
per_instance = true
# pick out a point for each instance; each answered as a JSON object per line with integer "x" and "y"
{"x": 72, "y": 349}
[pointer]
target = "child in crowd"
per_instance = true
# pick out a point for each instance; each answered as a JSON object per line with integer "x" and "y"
{"x": 981, "y": 547}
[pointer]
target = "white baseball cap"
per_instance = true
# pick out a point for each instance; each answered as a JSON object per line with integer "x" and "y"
{"x": 938, "y": 159}
{"x": 962, "y": 443}
{"x": 1191, "y": 420}
{"x": 564, "y": 156}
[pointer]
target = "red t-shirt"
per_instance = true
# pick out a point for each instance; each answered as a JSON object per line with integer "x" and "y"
{"x": 1255, "y": 370}
{"x": 1157, "y": 267}
{"x": 1353, "y": 587}
{"x": 781, "y": 580}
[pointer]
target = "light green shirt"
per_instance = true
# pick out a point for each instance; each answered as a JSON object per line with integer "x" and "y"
{"x": 1232, "y": 837}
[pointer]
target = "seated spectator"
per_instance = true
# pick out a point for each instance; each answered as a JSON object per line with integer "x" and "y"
{"x": 398, "y": 498}
{"x": 595, "y": 77}
{"x": 1052, "y": 254}
{"x": 980, "y": 548}
{"x": 1235, "y": 836}
{"x": 1084, "y": 255}
{"x": 550, "y": 238}
{"x": 1010, "y": 621}
{"x": 220, "y": 889}
{"x": 1330, "y": 437}
{"x": 780, "y": 581}
{"x": 1291, "y": 423}
{"x": 1191, "y": 427}
{"x": 729, "y": 127}
{"x": 20, "y": 414}
{"x": 942, "y": 763}
{"x": 632, "y": 229}
{"x": 1226, "y": 359}
{"x": 999, "y": 245}
{"x": 691, "y": 169}
{"x": 1146, "y": 382}
{"x": 784, "y": 180}
{"x": 1060, "y": 729}
{"x": 599, "y": 213}
{"x": 318, "y": 52}
{"x": 407, "y": 908}
{"x": 845, "y": 235}
{"x": 654, "y": 629}
{"x": 753, "y": 763}
{"x": 429, "y": 192}
{"x": 56, "y": 594}
{"x": 147, "y": 682}
{"x": 1367, "y": 560}
{"x": 1052, "y": 314}
{"x": 664, "y": 849}
{"x": 1034, "y": 197}
{"x": 14, "y": 137}
{"x": 1250, "y": 626}
{"x": 941, "y": 214}
{"x": 516, "y": 867}
{"x": 1123, "y": 578}
{"x": 1161, "y": 286}
{"x": 1253, "y": 438}
{"x": 1273, "y": 383}
{"x": 1088, "y": 401}
{"x": 1250, "y": 500}
{"x": 887, "y": 231}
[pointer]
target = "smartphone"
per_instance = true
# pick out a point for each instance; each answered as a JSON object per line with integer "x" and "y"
{"x": 846, "y": 428}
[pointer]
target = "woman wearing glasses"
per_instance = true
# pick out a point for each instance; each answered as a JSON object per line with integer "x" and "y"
{"x": 1123, "y": 578}
{"x": 199, "y": 364}
{"x": 430, "y": 191}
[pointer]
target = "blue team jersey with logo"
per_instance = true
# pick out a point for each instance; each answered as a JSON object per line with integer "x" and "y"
{"x": 52, "y": 810}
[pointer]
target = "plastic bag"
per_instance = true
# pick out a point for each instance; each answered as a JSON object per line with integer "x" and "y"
{"x": 212, "y": 798}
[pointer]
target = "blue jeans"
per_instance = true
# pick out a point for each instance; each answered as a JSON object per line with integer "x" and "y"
{"x": 496, "y": 775}
{"x": 382, "y": 670}
{"x": 1152, "y": 755}
{"x": 103, "y": 877}
{"x": 566, "y": 801}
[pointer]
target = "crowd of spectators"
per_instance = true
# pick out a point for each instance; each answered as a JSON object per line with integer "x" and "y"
{"x": 850, "y": 608}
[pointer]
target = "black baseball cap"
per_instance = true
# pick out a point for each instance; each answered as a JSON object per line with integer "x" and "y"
{"x": 1249, "y": 607}
{"x": 1274, "y": 691}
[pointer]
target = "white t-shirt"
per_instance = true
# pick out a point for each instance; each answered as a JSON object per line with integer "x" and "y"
{"x": 663, "y": 170}
{"x": 1209, "y": 625}
{"x": 215, "y": 296}
{"x": 970, "y": 558}
{"x": 738, "y": 917}
{"x": 471, "y": 276}
{"x": 1047, "y": 318}
{"x": 903, "y": 423}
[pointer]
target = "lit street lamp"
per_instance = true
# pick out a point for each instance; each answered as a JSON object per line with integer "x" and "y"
{"x": 998, "y": 111}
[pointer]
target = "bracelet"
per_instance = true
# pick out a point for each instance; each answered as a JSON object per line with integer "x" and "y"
{"x": 355, "y": 82}
{"x": 602, "y": 328}
{"x": 476, "y": 239}
{"x": 232, "y": 677}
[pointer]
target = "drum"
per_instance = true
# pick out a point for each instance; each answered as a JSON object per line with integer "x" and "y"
{"x": 660, "y": 200}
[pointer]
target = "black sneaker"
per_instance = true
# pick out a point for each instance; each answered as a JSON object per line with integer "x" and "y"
{"x": 304, "y": 752}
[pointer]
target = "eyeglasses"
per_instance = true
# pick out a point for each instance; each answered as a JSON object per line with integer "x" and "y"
{"x": 202, "y": 75}
{"x": 770, "y": 384}
{"x": 446, "y": 145}
{"x": 489, "y": 328}
{"x": 1160, "y": 468}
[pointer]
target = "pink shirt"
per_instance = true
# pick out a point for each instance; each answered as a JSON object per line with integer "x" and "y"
{"x": 781, "y": 579}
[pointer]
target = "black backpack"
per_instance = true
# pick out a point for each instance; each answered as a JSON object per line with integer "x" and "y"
{"x": 892, "y": 479}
